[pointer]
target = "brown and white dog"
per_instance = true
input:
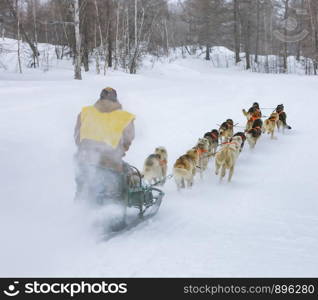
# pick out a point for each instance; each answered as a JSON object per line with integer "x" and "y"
{"x": 202, "y": 149}
{"x": 243, "y": 137}
{"x": 270, "y": 124}
{"x": 252, "y": 114}
{"x": 226, "y": 130}
{"x": 155, "y": 166}
{"x": 184, "y": 169}
{"x": 254, "y": 133}
{"x": 213, "y": 138}
{"x": 282, "y": 118}
{"x": 225, "y": 159}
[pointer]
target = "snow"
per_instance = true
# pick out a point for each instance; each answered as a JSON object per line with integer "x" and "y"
{"x": 264, "y": 223}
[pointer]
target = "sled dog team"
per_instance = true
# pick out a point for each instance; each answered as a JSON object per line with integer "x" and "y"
{"x": 230, "y": 145}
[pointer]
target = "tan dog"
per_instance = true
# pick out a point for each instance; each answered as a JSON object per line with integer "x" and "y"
{"x": 184, "y": 169}
{"x": 270, "y": 124}
{"x": 226, "y": 159}
{"x": 202, "y": 149}
{"x": 155, "y": 166}
{"x": 237, "y": 141}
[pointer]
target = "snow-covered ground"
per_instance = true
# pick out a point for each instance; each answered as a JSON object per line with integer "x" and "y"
{"x": 264, "y": 223}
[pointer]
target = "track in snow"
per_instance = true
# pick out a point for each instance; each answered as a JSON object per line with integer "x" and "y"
{"x": 262, "y": 224}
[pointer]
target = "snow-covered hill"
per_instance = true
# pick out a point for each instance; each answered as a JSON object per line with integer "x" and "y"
{"x": 265, "y": 223}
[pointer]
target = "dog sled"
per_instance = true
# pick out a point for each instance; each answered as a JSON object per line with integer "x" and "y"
{"x": 146, "y": 199}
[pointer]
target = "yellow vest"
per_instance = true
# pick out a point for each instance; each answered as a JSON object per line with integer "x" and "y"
{"x": 102, "y": 127}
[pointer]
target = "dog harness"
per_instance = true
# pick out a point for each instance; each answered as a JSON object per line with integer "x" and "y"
{"x": 163, "y": 162}
{"x": 272, "y": 119}
{"x": 256, "y": 128}
{"x": 201, "y": 151}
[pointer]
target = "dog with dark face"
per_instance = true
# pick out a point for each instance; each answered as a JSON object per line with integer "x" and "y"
{"x": 252, "y": 114}
{"x": 213, "y": 138}
{"x": 254, "y": 133}
{"x": 270, "y": 124}
{"x": 243, "y": 137}
{"x": 184, "y": 169}
{"x": 254, "y": 108}
{"x": 282, "y": 122}
{"x": 226, "y": 130}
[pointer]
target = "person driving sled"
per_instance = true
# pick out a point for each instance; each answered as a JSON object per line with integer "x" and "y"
{"x": 103, "y": 134}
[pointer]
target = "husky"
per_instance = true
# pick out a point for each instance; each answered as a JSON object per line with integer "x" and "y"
{"x": 252, "y": 114}
{"x": 243, "y": 137}
{"x": 213, "y": 138}
{"x": 225, "y": 159}
{"x": 270, "y": 124}
{"x": 202, "y": 149}
{"x": 155, "y": 166}
{"x": 237, "y": 141}
{"x": 254, "y": 133}
{"x": 184, "y": 169}
{"x": 282, "y": 121}
{"x": 226, "y": 130}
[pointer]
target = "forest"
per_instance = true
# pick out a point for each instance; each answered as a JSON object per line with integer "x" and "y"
{"x": 104, "y": 34}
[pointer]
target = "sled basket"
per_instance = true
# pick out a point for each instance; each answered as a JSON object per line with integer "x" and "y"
{"x": 144, "y": 198}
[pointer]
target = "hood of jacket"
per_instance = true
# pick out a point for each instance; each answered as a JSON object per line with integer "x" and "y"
{"x": 107, "y": 106}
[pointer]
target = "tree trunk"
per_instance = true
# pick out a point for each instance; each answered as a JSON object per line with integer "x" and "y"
{"x": 17, "y": 3}
{"x": 110, "y": 34}
{"x": 77, "y": 65}
{"x": 266, "y": 31}
{"x": 136, "y": 27}
{"x": 248, "y": 36}
{"x": 207, "y": 52}
{"x": 257, "y": 29}
{"x": 85, "y": 45}
{"x": 133, "y": 62}
{"x": 314, "y": 28}
{"x": 166, "y": 37}
{"x": 237, "y": 31}
{"x": 117, "y": 34}
{"x": 36, "y": 57}
{"x": 96, "y": 51}
{"x": 100, "y": 34}
{"x": 285, "y": 54}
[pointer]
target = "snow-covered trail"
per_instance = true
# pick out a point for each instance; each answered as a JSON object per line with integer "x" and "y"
{"x": 265, "y": 223}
